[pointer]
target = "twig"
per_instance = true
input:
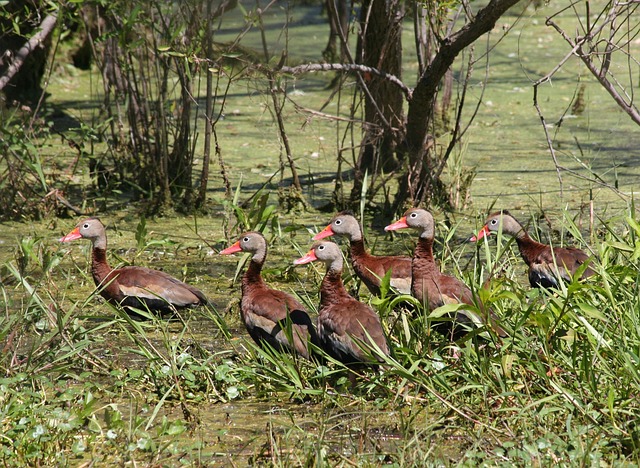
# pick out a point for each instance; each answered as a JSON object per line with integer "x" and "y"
{"x": 546, "y": 133}
{"x": 455, "y": 135}
{"x": 61, "y": 199}
{"x": 600, "y": 75}
{"x": 348, "y": 67}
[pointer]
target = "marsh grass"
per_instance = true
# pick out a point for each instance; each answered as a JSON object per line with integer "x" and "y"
{"x": 563, "y": 386}
{"x": 83, "y": 382}
{"x": 86, "y": 381}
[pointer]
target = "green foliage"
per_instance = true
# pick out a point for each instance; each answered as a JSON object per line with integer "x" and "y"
{"x": 253, "y": 214}
{"x": 177, "y": 369}
{"x": 33, "y": 429}
{"x": 24, "y": 188}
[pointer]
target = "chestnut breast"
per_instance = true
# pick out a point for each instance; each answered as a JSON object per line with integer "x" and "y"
{"x": 343, "y": 321}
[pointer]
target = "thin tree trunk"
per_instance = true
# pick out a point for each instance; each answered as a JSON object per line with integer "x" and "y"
{"x": 418, "y": 181}
{"x": 208, "y": 115}
{"x": 278, "y": 106}
{"x": 381, "y": 48}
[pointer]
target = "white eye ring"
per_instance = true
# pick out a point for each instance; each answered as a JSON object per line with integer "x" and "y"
{"x": 338, "y": 222}
{"x": 85, "y": 226}
{"x": 245, "y": 239}
{"x": 321, "y": 247}
{"x": 494, "y": 221}
{"x": 413, "y": 215}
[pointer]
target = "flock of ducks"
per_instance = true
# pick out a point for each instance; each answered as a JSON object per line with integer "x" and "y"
{"x": 348, "y": 330}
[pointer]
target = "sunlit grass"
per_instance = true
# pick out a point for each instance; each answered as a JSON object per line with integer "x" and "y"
{"x": 83, "y": 381}
{"x": 563, "y": 386}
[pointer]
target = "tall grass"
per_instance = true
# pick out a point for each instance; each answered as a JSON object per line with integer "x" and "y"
{"x": 562, "y": 388}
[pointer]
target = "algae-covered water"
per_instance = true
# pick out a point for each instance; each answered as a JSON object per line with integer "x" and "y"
{"x": 233, "y": 410}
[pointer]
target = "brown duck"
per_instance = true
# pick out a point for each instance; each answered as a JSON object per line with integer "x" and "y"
{"x": 345, "y": 324}
{"x": 133, "y": 286}
{"x": 432, "y": 287}
{"x": 268, "y": 313}
{"x": 369, "y": 268}
{"x": 546, "y": 264}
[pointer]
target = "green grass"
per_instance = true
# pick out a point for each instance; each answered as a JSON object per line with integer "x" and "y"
{"x": 98, "y": 385}
{"x": 82, "y": 382}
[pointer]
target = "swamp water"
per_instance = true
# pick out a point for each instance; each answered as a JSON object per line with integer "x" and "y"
{"x": 239, "y": 413}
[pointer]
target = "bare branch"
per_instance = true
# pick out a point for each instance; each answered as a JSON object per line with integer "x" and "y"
{"x": 546, "y": 133}
{"x": 348, "y": 67}
{"x": 36, "y": 40}
{"x": 600, "y": 74}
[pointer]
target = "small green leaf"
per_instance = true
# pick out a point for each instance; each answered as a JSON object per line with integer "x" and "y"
{"x": 507, "y": 364}
{"x": 591, "y": 311}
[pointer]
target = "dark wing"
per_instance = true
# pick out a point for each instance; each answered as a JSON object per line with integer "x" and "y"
{"x": 574, "y": 258}
{"x": 270, "y": 303}
{"x": 445, "y": 289}
{"x": 568, "y": 260}
{"x": 366, "y": 328}
{"x": 275, "y": 316}
{"x": 340, "y": 325}
{"x": 371, "y": 269}
{"x": 150, "y": 284}
{"x": 452, "y": 290}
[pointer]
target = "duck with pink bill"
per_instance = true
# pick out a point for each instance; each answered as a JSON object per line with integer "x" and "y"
{"x": 546, "y": 264}
{"x": 270, "y": 316}
{"x": 133, "y": 286}
{"x": 433, "y": 288}
{"x": 346, "y": 326}
{"x": 369, "y": 268}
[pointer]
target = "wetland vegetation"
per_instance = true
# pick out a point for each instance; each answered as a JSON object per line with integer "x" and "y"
{"x": 83, "y": 383}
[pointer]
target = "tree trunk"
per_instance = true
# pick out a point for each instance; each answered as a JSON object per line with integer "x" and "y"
{"x": 338, "y": 11}
{"x": 381, "y": 48}
{"x": 417, "y": 183}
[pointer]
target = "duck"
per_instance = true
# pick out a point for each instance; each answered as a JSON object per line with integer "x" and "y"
{"x": 546, "y": 264}
{"x": 434, "y": 288}
{"x": 133, "y": 286}
{"x": 369, "y": 268}
{"x": 267, "y": 312}
{"x": 345, "y": 324}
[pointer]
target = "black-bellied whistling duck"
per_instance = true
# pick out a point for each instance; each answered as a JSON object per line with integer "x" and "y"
{"x": 429, "y": 285}
{"x": 344, "y": 323}
{"x": 267, "y": 312}
{"x": 133, "y": 286}
{"x": 370, "y": 268}
{"x": 545, "y": 263}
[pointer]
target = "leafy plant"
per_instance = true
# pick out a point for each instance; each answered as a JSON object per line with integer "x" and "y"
{"x": 255, "y": 213}
{"x": 24, "y": 189}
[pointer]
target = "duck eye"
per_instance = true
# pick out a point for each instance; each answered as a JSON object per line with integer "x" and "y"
{"x": 321, "y": 247}
{"x": 245, "y": 239}
{"x": 413, "y": 215}
{"x": 85, "y": 226}
{"x": 494, "y": 222}
{"x": 338, "y": 222}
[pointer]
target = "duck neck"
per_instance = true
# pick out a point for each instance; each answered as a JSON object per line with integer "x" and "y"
{"x": 423, "y": 263}
{"x": 252, "y": 275}
{"x": 527, "y": 246}
{"x": 100, "y": 268}
{"x": 332, "y": 289}
{"x": 357, "y": 248}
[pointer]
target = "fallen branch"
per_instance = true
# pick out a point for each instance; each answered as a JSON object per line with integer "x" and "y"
{"x": 36, "y": 41}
